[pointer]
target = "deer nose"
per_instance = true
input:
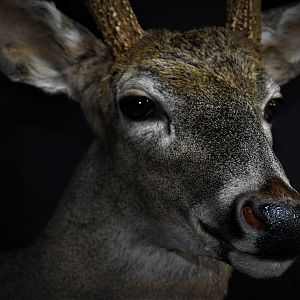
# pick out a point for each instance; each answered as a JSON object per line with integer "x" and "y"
{"x": 275, "y": 223}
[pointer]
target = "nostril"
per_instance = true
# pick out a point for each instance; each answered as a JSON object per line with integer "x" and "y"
{"x": 252, "y": 220}
{"x": 270, "y": 228}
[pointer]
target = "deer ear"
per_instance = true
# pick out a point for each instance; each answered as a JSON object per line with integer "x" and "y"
{"x": 281, "y": 42}
{"x": 41, "y": 46}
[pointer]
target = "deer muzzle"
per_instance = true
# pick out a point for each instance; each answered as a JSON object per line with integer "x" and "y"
{"x": 272, "y": 219}
{"x": 266, "y": 238}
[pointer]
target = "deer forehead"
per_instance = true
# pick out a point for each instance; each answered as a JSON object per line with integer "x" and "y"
{"x": 195, "y": 62}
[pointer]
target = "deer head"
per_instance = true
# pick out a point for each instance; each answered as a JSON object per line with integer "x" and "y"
{"x": 184, "y": 119}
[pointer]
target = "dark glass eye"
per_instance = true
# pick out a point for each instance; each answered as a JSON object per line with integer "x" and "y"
{"x": 136, "y": 107}
{"x": 272, "y": 108}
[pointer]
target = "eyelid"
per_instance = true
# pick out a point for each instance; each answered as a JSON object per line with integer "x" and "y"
{"x": 135, "y": 92}
{"x": 277, "y": 95}
{"x": 140, "y": 93}
{"x": 159, "y": 107}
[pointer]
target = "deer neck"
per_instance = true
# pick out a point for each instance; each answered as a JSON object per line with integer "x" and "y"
{"x": 100, "y": 210}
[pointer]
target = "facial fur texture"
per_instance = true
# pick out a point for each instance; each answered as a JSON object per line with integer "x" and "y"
{"x": 155, "y": 201}
{"x": 211, "y": 147}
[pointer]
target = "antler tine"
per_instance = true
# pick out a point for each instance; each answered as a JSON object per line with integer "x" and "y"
{"x": 118, "y": 24}
{"x": 244, "y": 16}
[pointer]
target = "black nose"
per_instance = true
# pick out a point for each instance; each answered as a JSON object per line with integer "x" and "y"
{"x": 277, "y": 225}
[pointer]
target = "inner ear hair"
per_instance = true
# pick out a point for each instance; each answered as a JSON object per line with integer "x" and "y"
{"x": 281, "y": 42}
{"x": 42, "y": 47}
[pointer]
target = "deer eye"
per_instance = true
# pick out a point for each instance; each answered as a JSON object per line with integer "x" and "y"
{"x": 272, "y": 107}
{"x": 137, "y": 107}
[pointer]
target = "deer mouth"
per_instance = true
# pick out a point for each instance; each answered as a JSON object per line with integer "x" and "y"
{"x": 256, "y": 266}
{"x": 252, "y": 263}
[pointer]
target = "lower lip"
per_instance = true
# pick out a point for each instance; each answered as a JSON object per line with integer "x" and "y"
{"x": 258, "y": 267}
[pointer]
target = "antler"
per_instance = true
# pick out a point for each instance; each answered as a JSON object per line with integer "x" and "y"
{"x": 244, "y": 16}
{"x": 118, "y": 24}
{"x": 121, "y": 30}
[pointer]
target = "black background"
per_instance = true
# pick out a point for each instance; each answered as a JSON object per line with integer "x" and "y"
{"x": 43, "y": 137}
